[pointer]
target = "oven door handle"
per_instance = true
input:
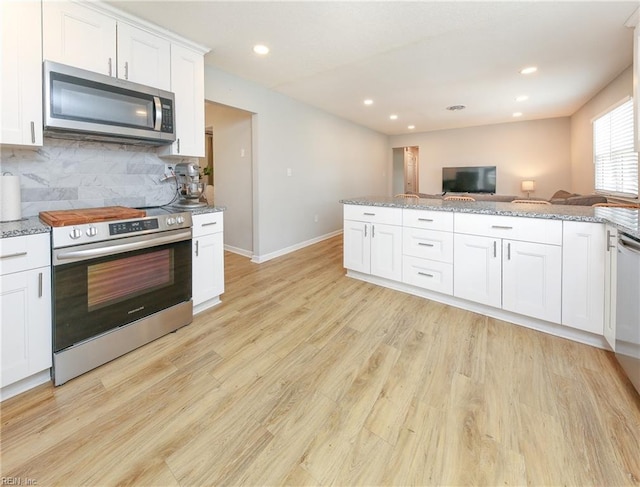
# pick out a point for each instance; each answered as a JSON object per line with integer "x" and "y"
{"x": 120, "y": 248}
{"x": 630, "y": 245}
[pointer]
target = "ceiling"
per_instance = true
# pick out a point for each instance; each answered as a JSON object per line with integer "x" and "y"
{"x": 413, "y": 59}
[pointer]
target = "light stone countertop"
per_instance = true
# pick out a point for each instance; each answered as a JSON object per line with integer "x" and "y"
{"x": 32, "y": 225}
{"x": 624, "y": 219}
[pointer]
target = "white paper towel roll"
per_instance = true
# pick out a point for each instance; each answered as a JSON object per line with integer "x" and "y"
{"x": 10, "y": 206}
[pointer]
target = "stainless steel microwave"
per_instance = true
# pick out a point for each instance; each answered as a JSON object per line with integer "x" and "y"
{"x": 81, "y": 104}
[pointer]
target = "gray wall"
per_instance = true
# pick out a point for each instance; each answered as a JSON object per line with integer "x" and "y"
{"x": 329, "y": 159}
{"x": 537, "y": 149}
{"x": 232, "y": 173}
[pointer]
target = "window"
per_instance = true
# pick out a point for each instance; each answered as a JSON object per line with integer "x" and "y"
{"x": 614, "y": 157}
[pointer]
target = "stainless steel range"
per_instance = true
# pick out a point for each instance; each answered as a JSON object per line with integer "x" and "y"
{"x": 117, "y": 285}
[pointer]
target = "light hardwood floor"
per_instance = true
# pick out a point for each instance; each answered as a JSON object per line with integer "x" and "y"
{"x": 303, "y": 376}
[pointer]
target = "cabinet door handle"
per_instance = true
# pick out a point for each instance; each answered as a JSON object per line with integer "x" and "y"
{"x": 502, "y": 227}
{"x": 425, "y": 274}
{"x": 126, "y": 70}
{"x": 495, "y": 248}
{"x": 365, "y": 230}
{"x": 509, "y": 251}
{"x": 39, "y": 284}
{"x": 17, "y": 254}
{"x": 373, "y": 231}
{"x": 197, "y": 247}
{"x": 178, "y": 142}
{"x": 425, "y": 244}
{"x": 33, "y": 132}
{"x": 209, "y": 224}
{"x": 369, "y": 214}
{"x": 425, "y": 219}
{"x": 609, "y": 246}
{"x": 110, "y": 69}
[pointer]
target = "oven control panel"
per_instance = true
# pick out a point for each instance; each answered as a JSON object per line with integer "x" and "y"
{"x": 133, "y": 226}
{"x": 94, "y": 232}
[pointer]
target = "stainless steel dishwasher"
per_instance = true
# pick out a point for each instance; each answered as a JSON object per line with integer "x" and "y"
{"x": 628, "y": 308}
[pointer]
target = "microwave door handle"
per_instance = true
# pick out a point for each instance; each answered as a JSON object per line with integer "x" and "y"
{"x": 158, "y": 108}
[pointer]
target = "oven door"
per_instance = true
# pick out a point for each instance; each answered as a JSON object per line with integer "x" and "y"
{"x": 102, "y": 286}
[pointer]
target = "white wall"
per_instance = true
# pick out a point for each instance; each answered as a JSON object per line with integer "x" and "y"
{"x": 232, "y": 172}
{"x": 582, "y": 171}
{"x": 538, "y": 149}
{"x": 329, "y": 159}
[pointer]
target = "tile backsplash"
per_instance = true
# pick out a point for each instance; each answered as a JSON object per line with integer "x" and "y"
{"x": 68, "y": 174}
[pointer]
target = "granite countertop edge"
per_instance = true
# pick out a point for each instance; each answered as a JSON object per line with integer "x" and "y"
{"x": 32, "y": 225}
{"x": 550, "y": 212}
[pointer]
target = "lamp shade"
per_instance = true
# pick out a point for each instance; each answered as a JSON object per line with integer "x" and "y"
{"x": 528, "y": 185}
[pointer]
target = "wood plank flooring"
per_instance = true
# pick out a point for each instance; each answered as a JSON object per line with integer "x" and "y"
{"x": 303, "y": 376}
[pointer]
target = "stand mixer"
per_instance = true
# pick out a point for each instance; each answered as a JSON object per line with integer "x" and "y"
{"x": 190, "y": 188}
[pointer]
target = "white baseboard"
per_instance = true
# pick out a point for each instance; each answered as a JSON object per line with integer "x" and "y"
{"x": 199, "y": 308}
{"x": 500, "y": 314}
{"x": 259, "y": 259}
{"x": 25, "y": 384}
{"x": 238, "y": 250}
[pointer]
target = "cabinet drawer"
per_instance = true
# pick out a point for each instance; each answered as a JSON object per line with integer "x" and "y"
{"x": 538, "y": 230}
{"x": 207, "y": 223}
{"x": 24, "y": 252}
{"x": 428, "y": 274}
{"x": 373, "y": 214}
{"x": 432, "y": 220}
{"x": 428, "y": 244}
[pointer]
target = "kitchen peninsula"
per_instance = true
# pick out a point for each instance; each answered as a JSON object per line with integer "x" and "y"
{"x": 546, "y": 267}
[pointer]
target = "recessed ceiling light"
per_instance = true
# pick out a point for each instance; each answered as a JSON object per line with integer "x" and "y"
{"x": 528, "y": 70}
{"x": 393, "y": 117}
{"x": 517, "y": 114}
{"x": 522, "y": 98}
{"x": 411, "y": 127}
{"x": 455, "y": 108}
{"x": 261, "y": 49}
{"x": 368, "y": 101}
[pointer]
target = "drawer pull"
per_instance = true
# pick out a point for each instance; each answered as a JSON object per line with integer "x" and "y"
{"x": 369, "y": 214}
{"x": 425, "y": 244}
{"x": 425, "y": 219}
{"x": 502, "y": 227}
{"x": 17, "y": 254}
{"x": 208, "y": 224}
{"x": 425, "y": 274}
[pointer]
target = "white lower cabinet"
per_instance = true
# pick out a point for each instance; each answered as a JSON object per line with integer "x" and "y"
{"x": 208, "y": 260}
{"x": 610, "y": 285}
{"x": 583, "y": 276}
{"x": 531, "y": 279}
{"x": 477, "y": 269}
{"x": 372, "y": 247}
{"x": 25, "y": 301}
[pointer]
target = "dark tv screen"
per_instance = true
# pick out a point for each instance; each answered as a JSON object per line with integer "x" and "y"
{"x": 476, "y": 179}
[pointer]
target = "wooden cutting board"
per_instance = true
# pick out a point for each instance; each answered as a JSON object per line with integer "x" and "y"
{"x": 62, "y": 218}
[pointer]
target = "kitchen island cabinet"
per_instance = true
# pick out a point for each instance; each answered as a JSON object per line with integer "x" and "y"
{"x": 21, "y": 87}
{"x": 208, "y": 260}
{"x": 25, "y": 297}
{"x": 544, "y": 268}
{"x": 373, "y": 241}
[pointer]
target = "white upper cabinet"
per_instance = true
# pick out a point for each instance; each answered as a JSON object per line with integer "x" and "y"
{"x": 79, "y": 36}
{"x": 87, "y": 38}
{"x": 187, "y": 82}
{"x": 21, "y": 87}
{"x": 143, "y": 57}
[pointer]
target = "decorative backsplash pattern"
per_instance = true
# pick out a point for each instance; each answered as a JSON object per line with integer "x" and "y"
{"x": 68, "y": 174}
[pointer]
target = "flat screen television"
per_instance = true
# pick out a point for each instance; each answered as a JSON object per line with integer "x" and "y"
{"x": 473, "y": 179}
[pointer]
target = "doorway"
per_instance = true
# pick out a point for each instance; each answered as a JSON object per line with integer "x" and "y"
{"x": 406, "y": 164}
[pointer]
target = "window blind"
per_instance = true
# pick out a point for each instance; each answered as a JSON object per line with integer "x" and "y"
{"x": 615, "y": 160}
